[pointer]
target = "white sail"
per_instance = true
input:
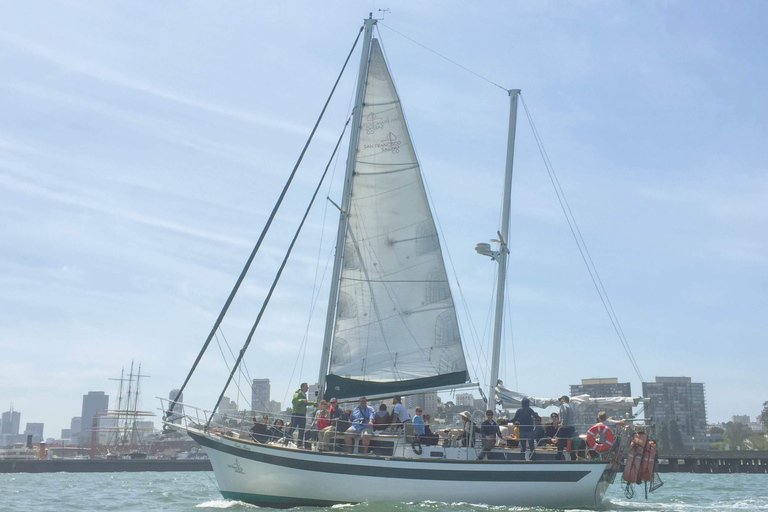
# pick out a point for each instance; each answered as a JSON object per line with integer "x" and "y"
{"x": 396, "y": 326}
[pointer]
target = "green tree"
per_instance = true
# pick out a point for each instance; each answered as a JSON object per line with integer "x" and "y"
{"x": 735, "y": 434}
{"x": 675, "y": 437}
{"x": 764, "y": 415}
{"x": 664, "y": 443}
{"x": 758, "y": 442}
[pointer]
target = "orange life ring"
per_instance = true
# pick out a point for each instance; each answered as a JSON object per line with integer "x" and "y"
{"x": 607, "y": 433}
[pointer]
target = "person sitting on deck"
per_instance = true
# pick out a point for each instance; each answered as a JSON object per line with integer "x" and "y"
{"x": 277, "y": 431}
{"x": 399, "y": 413}
{"x": 418, "y": 422}
{"x": 489, "y": 430}
{"x": 259, "y": 429}
{"x": 362, "y": 425}
{"x": 326, "y": 435}
{"x": 320, "y": 421}
{"x": 381, "y": 419}
{"x": 429, "y": 438}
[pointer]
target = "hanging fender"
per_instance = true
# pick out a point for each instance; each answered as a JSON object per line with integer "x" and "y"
{"x": 635, "y": 458}
{"x": 605, "y": 432}
{"x": 649, "y": 459}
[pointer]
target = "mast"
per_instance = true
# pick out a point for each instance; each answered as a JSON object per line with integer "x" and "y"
{"x": 354, "y": 136}
{"x": 503, "y": 249}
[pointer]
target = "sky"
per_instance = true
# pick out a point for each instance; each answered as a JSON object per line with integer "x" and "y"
{"x": 143, "y": 145}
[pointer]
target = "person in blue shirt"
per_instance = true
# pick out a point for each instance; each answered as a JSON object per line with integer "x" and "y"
{"x": 362, "y": 425}
{"x": 418, "y": 422}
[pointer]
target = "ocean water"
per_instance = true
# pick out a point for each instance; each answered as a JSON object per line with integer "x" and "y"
{"x": 197, "y": 492}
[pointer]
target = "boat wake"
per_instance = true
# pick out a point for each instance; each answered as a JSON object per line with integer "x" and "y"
{"x": 226, "y": 504}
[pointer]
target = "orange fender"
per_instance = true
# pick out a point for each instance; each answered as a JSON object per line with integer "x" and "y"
{"x": 648, "y": 459}
{"x": 634, "y": 458}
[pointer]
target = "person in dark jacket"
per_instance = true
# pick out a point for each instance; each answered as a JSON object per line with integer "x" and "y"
{"x": 525, "y": 418}
{"x": 489, "y": 431}
{"x": 277, "y": 431}
{"x": 259, "y": 429}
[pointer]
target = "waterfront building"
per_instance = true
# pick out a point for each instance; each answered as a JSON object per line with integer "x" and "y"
{"x": 93, "y": 403}
{"x": 743, "y": 419}
{"x": 586, "y": 415}
{"x": 679, "y": 399}
{"x": 260, "y": 395}
{"x": 35, "y": 430}
{"x": 66, "y": 434}
{"x": 427, "y": 401}
{"x": 465, "y": 399}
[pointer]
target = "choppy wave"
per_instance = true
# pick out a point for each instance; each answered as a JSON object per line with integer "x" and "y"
{"x": 176, "y": 492}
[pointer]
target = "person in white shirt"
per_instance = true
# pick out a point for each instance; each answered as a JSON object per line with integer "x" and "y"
{"x": 399, "y": 413}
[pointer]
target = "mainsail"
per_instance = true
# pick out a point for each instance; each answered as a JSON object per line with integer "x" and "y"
{"x": 396, "y": 328}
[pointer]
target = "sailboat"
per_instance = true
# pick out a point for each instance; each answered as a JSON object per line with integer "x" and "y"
{"x": 392, "y": 329}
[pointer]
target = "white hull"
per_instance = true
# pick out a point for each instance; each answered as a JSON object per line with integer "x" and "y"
{"x": 275, "y": 476}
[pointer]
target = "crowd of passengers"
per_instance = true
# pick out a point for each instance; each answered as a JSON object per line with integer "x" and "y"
{"x": 524, "y": 430}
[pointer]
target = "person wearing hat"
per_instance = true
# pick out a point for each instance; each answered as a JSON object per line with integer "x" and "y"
{"x": 468, "y": 430}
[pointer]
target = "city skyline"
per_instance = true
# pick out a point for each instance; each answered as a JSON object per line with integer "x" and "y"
{"x": 140, "y": 162}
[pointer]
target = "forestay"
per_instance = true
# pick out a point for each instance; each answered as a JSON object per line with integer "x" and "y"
{"x": 396, "y": 328}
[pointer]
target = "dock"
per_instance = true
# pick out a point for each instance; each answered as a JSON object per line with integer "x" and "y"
{"x": 715, "y": 462}
{"x": 101, "y": 465}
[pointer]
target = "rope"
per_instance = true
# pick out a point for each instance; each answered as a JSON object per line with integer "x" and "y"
{"x": 444, "y": 57}
{"x": 277, "y": 277}
{"x": 263, "y": 234}
{"x": 581, "y": 244}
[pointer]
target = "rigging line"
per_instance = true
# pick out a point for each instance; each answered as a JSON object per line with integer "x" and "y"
{"x": 277, "y": 277}
{"x": 444, "y": 57}
{"x": 221, "y": 331}
{"x": 622, "y": 336}
{"x": 224, "y": 358}
{"x": 263, "y": 233}
{"x": 582, "y": 248}
{"x": 581, "y": 244}
{"x": 247, "y": 373}
{"x": 511, "y": 331}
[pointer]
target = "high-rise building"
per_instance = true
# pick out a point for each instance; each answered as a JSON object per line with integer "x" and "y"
{"x": 465, "y": 399}
{"x": 35, "y": 430}
{"x": 93, "y": 403}
{"x": 260, "y": 395}
{"x": 178, "y": 408}
{"x": 427, "y": 401}
{"x": 682, "y": 400}
{"x": 11, "y": 422}
{"x": 586, "y": 415}
{"x": 66, "y": 433}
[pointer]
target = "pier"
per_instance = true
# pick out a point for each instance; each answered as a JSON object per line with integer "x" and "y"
{"x": 715, "y": 462}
